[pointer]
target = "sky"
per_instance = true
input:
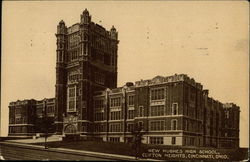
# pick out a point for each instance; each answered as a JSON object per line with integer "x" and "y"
{"x": 208, "y": 41}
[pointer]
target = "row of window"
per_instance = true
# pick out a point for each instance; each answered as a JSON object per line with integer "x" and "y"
{"x": 160, "y": 125}
{"x": 115, "y": 102}
{"x": 49, "y": 109}
{"x": 156, "y": 140}
{"x": 115, "y": 115}
{"x": 22, "y": 120}
{"x": 159, "y": 140}
{"x": 157, "y": 94}
{"x": 157, "y": 110}
{"x": 99, "y": 116}
{"x": 189, "y": 141}
{"x": 18, "y": 129}
{"x": 157, "y": 125}
{"x": 99, "y": 128}
{"x": 114, "y": 139}
{"x": 73, "y": 55}
{"x": 99, "y": 104}
{"x": 115, "y": 128}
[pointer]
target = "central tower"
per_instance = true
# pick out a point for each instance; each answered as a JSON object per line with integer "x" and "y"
{"x": 86, "y": 63}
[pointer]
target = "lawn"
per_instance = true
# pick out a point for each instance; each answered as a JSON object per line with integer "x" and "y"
{"x": 103, "y": 147}
{"x": 127, "y": 149}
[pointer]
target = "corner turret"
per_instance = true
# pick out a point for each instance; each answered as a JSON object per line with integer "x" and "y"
{"x": 61, "y": 28}
{"x": 85, "y": 17}
{"x": 113, "y": 33}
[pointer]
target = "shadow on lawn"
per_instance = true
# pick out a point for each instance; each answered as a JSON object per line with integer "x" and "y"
{"x": 95, "y": 146}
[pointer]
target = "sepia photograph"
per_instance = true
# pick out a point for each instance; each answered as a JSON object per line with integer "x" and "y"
{"x": 125, "y": 80}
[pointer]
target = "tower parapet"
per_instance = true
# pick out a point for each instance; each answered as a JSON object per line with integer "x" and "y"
{"x": 113, "y": 33}
{"x": 85, "y": 17}
{"x": 61, "y": 28}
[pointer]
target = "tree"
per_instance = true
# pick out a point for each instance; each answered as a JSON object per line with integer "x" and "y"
{"x": 137, "y": 139}
{"x": 46, "y": 126}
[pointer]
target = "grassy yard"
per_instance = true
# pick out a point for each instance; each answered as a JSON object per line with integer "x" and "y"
{"x": 127, "y": 149}
{"x": 103, "y": 147}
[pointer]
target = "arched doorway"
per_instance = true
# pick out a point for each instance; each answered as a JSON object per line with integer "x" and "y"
{"x": 70, "y": 129}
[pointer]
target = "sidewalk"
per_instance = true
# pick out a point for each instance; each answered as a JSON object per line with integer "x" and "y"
{"x": 38, "y": 140}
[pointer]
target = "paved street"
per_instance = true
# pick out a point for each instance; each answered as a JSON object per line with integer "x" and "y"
{"x": 15, "y": 151}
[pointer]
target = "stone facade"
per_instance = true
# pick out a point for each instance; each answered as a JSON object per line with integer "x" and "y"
{"x": 172, "y": 110}
{"x": 24, "y": 115}
{"x": 86, "y": 62}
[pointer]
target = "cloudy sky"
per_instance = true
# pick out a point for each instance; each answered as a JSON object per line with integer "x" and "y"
{"x": 207, "y": 40}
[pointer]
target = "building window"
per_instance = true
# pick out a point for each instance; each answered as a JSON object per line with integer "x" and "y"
{"x": 130, "y": 100}
{"x": 72, "y": 98}
{"x": 99, "y": 78}
{"x": 174, "y": 124}
{"x": 18, "y": 111}
{"x": 156, "y": 125}
{"x": 84, "y": 48}
{"x": 140, "y": 124}
{"x": 71, "y": 105}
{"x": 192, "y": 96}
{"x": 50, "y": 109}
{"x": 115, "y": 102}
{"x": 115, "y": 115}
{"x": 157, "y": 110}
{"x": 99, "y": 128}
{"x": 157, "y": 94}
{"x": 141, "y": 112}
{"x": 130, "y": 127}
{"x": 98, "y": 104}
{"x": 99, "y": 116}
{"x": 74, "y": 55}
{"x": 131, "y": 114}
{"x": 156, "y": 140}
{"x": 115, "y": 127}
{"x": 175, "y": 109}
{"x": 173, "y": 141}
{"x": 185, "y": 125}
{"x": 114, "y": 139}
{"x": 192, "y": 141}
{"x": 74, "y": 76}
